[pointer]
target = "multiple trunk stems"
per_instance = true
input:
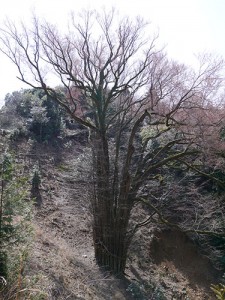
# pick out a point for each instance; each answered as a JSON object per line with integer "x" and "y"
{"x": 110, "y": 216}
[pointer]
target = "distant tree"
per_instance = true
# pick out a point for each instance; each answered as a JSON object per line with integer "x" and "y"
{"x": 38, "y": 119}
{"x": 39, "y": 114}
{"x": 126, "y": 83}
{"x": 35, "y": 187}
{"x": 46, "y": 116}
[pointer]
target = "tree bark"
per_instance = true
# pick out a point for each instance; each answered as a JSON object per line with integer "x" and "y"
{"x": 110, "y": 217}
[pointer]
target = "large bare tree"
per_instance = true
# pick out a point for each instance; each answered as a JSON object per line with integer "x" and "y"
{"x": 134, "y": 101}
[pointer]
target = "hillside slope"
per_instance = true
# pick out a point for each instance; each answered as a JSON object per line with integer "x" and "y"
{"x": 161, "y": 265}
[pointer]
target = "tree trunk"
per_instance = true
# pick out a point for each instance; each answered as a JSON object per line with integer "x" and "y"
{"x": 110, "y": 218}
{"x": 111, "y": 240}
{"x": 111, "y": 244}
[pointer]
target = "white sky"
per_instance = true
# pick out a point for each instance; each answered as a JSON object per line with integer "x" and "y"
{"x": 186, "y": 27}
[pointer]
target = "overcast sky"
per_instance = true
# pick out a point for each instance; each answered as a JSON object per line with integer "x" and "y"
{"x": 186, "y": 27}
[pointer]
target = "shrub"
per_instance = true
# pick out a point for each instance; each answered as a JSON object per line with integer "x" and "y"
{"x": 15, "y": 216}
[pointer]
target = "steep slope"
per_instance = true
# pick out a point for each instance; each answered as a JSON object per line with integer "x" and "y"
{"x": 63, "y": 249}
{"x": 161, "y": 265}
